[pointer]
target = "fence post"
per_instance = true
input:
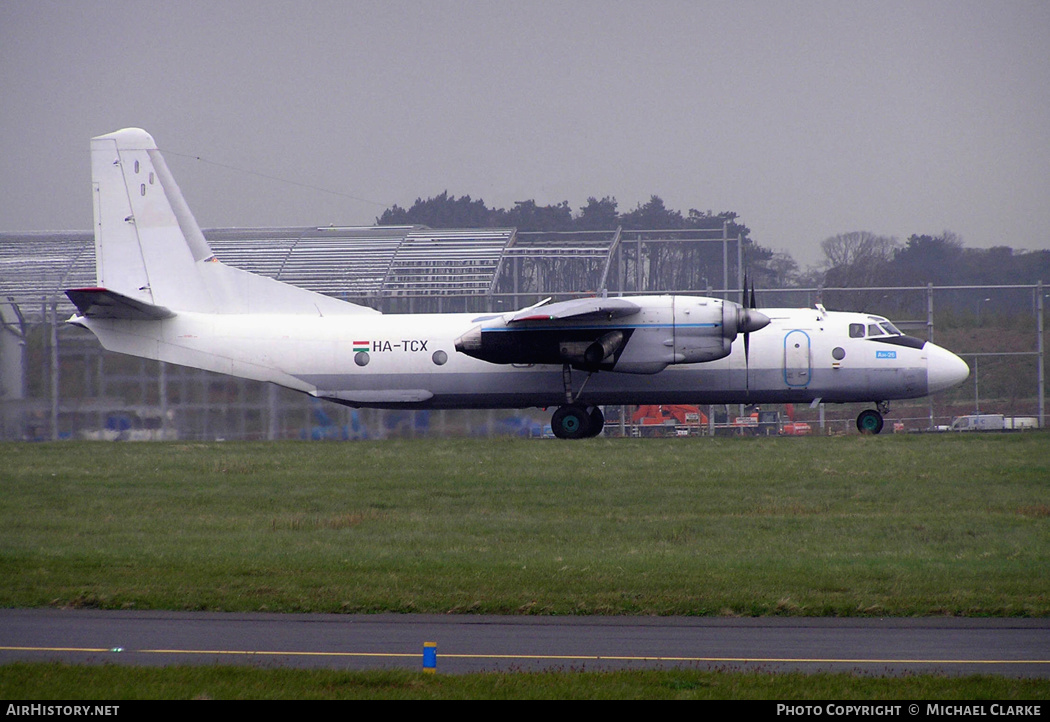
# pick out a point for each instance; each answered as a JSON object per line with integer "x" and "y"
{"x": 929, "y": 333}
{"x": 53, "y": 343}
{"x": 1039, "y": 304}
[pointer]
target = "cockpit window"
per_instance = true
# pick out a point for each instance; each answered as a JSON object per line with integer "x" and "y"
{"x": 879, "y": 326}
{"x": 856, "y": 330}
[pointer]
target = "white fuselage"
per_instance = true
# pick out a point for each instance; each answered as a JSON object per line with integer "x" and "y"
{"x": 411, "y": 360}
{"x": 162, "y": 294}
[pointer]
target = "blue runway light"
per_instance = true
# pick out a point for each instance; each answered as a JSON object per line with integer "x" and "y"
{"x": 430, "y": 657}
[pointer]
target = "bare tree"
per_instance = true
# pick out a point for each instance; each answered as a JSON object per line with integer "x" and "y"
{"x": 857, "y": 258}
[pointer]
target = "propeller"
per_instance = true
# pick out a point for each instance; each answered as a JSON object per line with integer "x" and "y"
{"x": 751, "y": 319}
{"x": 747, "y": 340}
{"x": 747, "y": 333}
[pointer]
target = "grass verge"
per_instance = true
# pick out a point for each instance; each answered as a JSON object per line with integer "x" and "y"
{"x": 64, "y": 682}
{"x": 907, "y": 525}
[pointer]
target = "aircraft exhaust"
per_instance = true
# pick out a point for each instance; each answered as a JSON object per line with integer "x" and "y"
{"x": 603, "y": 348}
{"x": 470, "y": 341}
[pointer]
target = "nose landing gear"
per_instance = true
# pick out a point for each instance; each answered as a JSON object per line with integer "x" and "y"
{"x": 870, "y": 421}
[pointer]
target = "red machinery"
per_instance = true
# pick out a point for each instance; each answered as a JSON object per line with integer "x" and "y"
{"x": 675, "y": 418}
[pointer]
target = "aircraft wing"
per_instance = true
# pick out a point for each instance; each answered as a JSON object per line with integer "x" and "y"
{"x": 103, "y": 303}
{"x": 579, "y": 309}
{"x": 583, "y": 332}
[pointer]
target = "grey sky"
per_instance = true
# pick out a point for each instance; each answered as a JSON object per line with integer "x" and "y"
{"x": 807, "y": 118}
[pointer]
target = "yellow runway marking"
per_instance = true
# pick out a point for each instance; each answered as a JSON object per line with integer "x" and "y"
{"x": 532, "y": 657}
{"x": 55, "y": 649}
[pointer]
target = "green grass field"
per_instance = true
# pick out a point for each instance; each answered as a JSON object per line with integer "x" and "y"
{"x": 909, "y": 525}
{"x": 67, "y": 682}
{"x": 891, "y": 525}
{"x": 855, "y": 526}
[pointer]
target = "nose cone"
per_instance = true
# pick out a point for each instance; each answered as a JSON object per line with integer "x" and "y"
{"x": 943, "y": 369}
{"x": 738, "y": 319}
{"x": 752, "y": 320}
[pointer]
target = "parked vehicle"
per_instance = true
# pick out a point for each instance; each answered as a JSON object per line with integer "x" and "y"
{"x": 993, "y": 422}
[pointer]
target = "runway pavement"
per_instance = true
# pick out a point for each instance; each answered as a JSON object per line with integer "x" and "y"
{"x": 1009, "y": 647}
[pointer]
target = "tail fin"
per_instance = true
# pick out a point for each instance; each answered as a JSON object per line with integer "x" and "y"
{"x": 146, "y": 246}
{"x": 149, "y": 248}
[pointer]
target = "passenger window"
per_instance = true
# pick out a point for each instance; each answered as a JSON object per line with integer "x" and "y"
{"x": 856, "y": 330}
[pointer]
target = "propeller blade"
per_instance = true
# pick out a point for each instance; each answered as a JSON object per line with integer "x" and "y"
{"x": 747, "y": 362}
{"x": 751, "y": 320}
{"x": 747, "y": 337}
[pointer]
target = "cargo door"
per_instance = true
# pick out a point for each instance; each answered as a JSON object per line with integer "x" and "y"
{"x": 797, "y": 363}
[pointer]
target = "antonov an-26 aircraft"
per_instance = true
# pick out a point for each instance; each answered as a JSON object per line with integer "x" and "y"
{"x": 162, "y": 294}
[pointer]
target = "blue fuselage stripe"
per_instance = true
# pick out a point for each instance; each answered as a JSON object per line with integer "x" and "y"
{"x": 611, "y": 327}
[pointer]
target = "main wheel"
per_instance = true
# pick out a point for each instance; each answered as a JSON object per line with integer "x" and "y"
{"x": 869, "y": 422}
{"x": 596, "y": 420}
{"x": 572, "y": 422}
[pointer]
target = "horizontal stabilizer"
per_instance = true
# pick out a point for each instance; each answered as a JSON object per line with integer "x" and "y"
{"x": 103, "y": 303}
{"x": 580, "y": 309}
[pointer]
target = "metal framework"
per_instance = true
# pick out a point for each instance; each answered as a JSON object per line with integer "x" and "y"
{"x": 402, "y": 268}
{"x": 375, "y": 265}
{"x": 348, "y": 263}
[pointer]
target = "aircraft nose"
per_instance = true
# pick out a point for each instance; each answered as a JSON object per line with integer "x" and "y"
{"x": 943, "y": 369}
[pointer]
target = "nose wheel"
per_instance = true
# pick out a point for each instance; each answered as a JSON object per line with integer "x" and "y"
{"x": 869, "y": 421}
{"x": 577, "y": 421}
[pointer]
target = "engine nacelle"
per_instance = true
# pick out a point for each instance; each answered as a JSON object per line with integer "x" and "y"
{"x": 664, "y": 330}
{"x": 700, "y": 329}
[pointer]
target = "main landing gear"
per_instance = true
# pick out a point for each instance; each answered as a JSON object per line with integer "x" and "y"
{"x": 575, "y": 420}
{"x": 870, "y": 421}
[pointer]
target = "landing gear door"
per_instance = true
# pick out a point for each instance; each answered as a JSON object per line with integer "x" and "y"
{"x": 797, "y": 362}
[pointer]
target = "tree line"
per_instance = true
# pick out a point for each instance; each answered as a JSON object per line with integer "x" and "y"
{"x": 853, "y": 259}
{"x": 681, "y": 265}
{"x": 864, "y": 260}
{"x": 447, "y": 211}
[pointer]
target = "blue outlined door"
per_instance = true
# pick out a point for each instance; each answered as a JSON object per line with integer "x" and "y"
{"x": 797, "y": 364}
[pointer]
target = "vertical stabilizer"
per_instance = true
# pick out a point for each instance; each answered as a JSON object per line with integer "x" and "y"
{"x": 147, "y": 244}
{"x": 149, "y": 249}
